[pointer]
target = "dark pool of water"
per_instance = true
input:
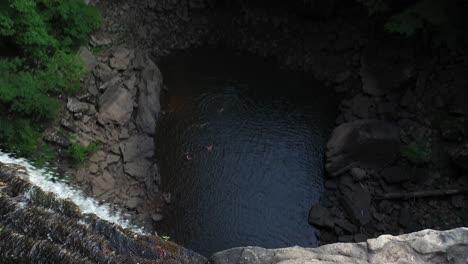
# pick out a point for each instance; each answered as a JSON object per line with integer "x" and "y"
{"x": 241, "y": 150}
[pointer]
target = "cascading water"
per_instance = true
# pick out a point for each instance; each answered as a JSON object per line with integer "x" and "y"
{"x": 48, "y": 182}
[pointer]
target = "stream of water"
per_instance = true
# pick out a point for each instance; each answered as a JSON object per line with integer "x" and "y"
{"x": 240, "y": 148}
{"x": 45, "y": 179}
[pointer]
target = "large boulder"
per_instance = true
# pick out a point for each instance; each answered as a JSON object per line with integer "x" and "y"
{"x": 423, "y": 247}
{"x": 137, "y": 148}
{"x": 116, "y": 105}
{"x": 363, "y": 144}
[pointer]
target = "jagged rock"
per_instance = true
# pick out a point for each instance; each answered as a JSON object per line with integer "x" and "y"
{"x": 139, "y": 169}
{"x": 68, "y": 125}
{"x": 116, "y": 105}
{"x": 98, "y": 156}
{"x": 320, "y": 216}
{"x": 104, "y": 73}
{"x": 121, "y": 59}
{"x": 423, "y": 247}
{"x": 148, "y": 102}
{"x": 102, "y": 184}
{"x": 137, "y": 147}
{"x": 78, "y": 107}
{"x": 358, "y": 174}
{"x": 148, "y": 106}
{"x": 395, "y": 174}
{"x": 356, "y": 201}
{"x": 112, "y": 82}
{"x": 56, "y": 139}
{"x": 111, "y": 158}
{"x": 97, "y": 41}
{"x": 88, "y": 58}
{"x": 362, "y": 143}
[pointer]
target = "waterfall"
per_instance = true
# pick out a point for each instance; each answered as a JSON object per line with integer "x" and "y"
{"x": 48, "y": 182}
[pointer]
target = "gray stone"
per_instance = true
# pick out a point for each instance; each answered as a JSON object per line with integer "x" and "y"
{"x": 362, "y": 143}
{"x": 157, "y": 217}
{"x": 396, "y": 174}
{"x": 148, "y": 106}
{"x": 97, "y": 41}
{"x": 104, "y": 73}
{"x": 356, "y": 201}
{"x": 320, "y": 216}
{"x": 121, "y": 59}
{"x": 103, "y": 184}
{"x": 70, "y": 125}
{"x": 98, "y": 156}
{"x": 56, "y": 139}
{"x": 116, "y": 105}
{"x": 88, "y": 58}
{"x": 139, "y": 169}
{"x": 76, "y": 106}
{"x": 137, "y": 147}
{"x": 358, "y": 174}
{"x": 423, "y": 247}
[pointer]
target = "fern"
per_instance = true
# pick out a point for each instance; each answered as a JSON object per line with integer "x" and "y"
{"x": 416, "y": 17}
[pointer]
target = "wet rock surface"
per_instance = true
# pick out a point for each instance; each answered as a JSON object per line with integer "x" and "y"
{"x": 37, "y": 227}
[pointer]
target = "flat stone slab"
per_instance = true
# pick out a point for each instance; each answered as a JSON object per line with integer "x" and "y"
{"x": 423, "y": 247}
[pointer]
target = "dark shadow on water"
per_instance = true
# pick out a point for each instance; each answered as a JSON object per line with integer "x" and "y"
{"x": 240, "y": 147}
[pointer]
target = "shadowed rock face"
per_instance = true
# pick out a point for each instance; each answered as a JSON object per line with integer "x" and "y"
{"x": 423, "y": 247}
{"x": 362, "y": 143}
{"x": 37, "y": 227}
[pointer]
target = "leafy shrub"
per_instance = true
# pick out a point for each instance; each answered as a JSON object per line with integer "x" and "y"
{"x": 417, "y": 16}
{"x": 417, "y": 153}
{"x": 19, "y": 135}
{"x": 40, "y": 27}
{"x": 442, "y": 20}
{"x": 80, "y": 153}
{"x": 42, "y": 63}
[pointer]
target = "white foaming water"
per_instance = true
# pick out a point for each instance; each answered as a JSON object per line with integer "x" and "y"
{"x": 41, "y": 178}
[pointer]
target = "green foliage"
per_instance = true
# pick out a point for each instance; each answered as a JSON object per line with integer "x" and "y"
{"x": 442, "y": 20}
{"x": 24, "y": 92}
{"x": 19, "y": 135}
{"x": 417, "y": 16}
{"x": 417, "y": 153}
{"x": 45, "y": 35}
{"x": 40, "y": 27}
{"x": 80, "y": 153}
